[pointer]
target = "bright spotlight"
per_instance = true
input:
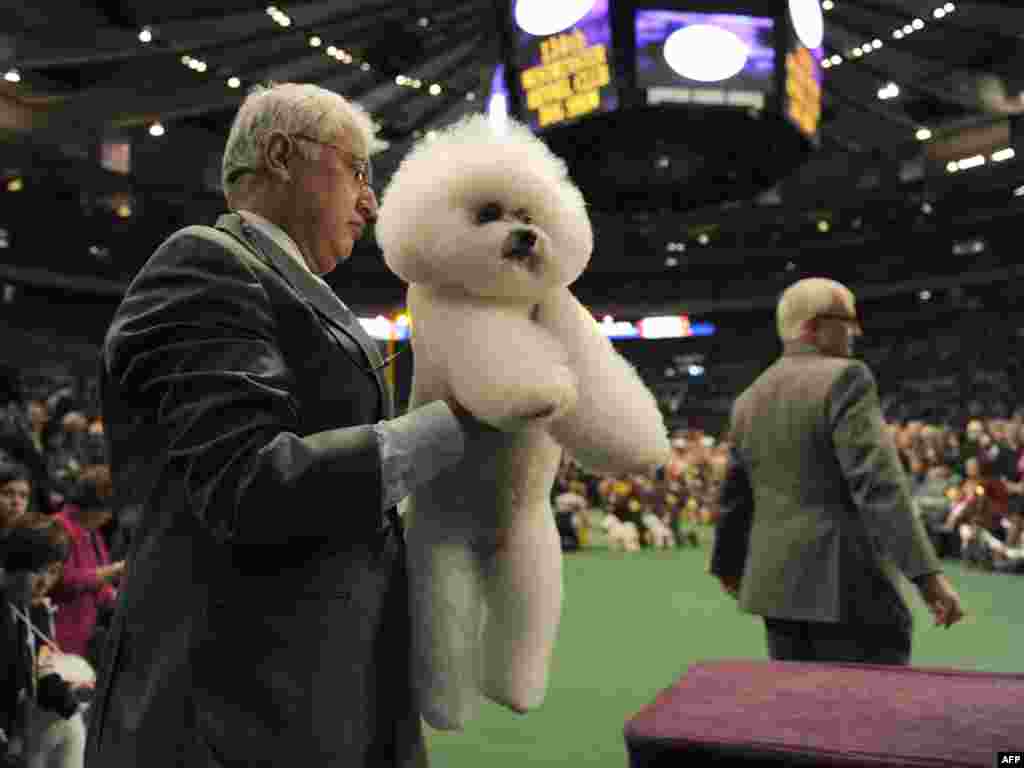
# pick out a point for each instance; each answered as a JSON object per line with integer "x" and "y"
{"x": 706, "y": 53}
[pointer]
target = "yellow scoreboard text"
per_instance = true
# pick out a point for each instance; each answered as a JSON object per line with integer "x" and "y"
{"x": 803, "y": 91}
{"x": 569, "y": 79}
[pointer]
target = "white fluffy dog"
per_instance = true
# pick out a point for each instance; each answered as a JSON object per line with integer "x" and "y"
{"x": 656, "y": 532}
{"x": 489, "y": 231}
{"x": 624, "y": 536}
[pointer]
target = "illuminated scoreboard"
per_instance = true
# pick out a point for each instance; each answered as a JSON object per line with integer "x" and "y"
{"x": 564, "y": 60}
{"x": 803, "y": 89}
{"x": 705, "y": 90}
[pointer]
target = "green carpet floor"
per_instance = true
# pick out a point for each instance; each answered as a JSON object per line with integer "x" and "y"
{"x": 633, "y": 623}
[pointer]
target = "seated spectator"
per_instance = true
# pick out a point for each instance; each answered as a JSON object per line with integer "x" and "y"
{"x": 86, "y": 587}
{"x": 16, "y": 443}
{"x": 985, "y": 500}
{"x": 933, "y": 505}
{"x": 15, "y": 493}
{"x": 26, "y": 551}
{"x": 54, "y": 739}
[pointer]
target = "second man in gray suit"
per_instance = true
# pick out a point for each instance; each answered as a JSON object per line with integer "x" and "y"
{"x": 816, "y": 517}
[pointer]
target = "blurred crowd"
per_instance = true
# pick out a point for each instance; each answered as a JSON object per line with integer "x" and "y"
{"x": 60, "y": 581}
{"x": 674, "y": 506}
{"x": 967, "y": 485}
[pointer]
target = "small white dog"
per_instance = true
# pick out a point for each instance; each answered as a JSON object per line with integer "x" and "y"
{"x": 624, "y": 536}
{"x": 656, "y": 532}
{"x": 489, "y": 231}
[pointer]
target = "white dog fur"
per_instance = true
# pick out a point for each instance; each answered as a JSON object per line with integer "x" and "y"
{"x": 495, "y": 326}
{"x": 624, "y": 536}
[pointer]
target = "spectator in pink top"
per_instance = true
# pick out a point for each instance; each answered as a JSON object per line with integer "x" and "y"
{"x": 87, "y": 585}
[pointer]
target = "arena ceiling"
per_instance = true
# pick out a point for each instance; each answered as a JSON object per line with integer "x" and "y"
{"x": 875, "y": 203}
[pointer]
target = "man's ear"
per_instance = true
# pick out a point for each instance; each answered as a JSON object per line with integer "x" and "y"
{"x": 278, "y": 153}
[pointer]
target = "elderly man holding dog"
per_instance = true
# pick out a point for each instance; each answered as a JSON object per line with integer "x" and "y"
{"x": 266, "y": 622}
{"x": 816, "y": 519}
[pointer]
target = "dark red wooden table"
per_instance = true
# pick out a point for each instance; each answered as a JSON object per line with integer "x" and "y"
{"x": 786, "y": 713}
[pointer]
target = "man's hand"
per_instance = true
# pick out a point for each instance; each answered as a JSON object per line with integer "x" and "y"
{"x": 730, "y": 584}
{"x": 942, "y": 599}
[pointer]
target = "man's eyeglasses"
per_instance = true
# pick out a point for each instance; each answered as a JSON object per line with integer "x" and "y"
{"x": 361, "y": 168}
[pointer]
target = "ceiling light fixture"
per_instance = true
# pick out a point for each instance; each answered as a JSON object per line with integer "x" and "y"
{"x": 923, "y": 134}
{"x": 1003, "y": 155}
{"x": 234, "y": 82}
{"x": 156, "y": 129}
{"x": 315, "y": 42}
{"x": 827, "y": 5}
{"x": 889, "y": 91}
{"x": 12, "y": 76}
{"x": 146, "y": 35}
{"x": 279, "y": 16}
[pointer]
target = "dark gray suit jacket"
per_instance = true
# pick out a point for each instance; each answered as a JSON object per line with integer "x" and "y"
{"x": 264, "y": 620}
{"x": 816, "y": 516}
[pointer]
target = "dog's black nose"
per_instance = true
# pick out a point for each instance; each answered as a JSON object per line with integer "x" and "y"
{"x": 525, "y": 238}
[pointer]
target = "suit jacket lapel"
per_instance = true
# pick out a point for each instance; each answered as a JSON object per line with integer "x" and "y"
{"x": 319, "y": 296}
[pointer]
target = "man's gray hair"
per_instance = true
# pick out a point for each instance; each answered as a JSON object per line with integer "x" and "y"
{"x": 291, "y": 108}
{"x": 806, "y": 299}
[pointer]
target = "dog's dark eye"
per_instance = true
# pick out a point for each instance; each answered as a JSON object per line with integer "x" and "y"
{"x": 488, "y": 213}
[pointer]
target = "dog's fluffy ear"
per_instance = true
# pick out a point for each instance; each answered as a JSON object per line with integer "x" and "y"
{"x": 472, "y": 160}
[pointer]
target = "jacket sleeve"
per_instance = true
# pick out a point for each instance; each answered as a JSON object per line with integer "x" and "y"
{"x": 736, "y": 514}
{"x": 874, "y": 474}
{"x": 193, "y": 357}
